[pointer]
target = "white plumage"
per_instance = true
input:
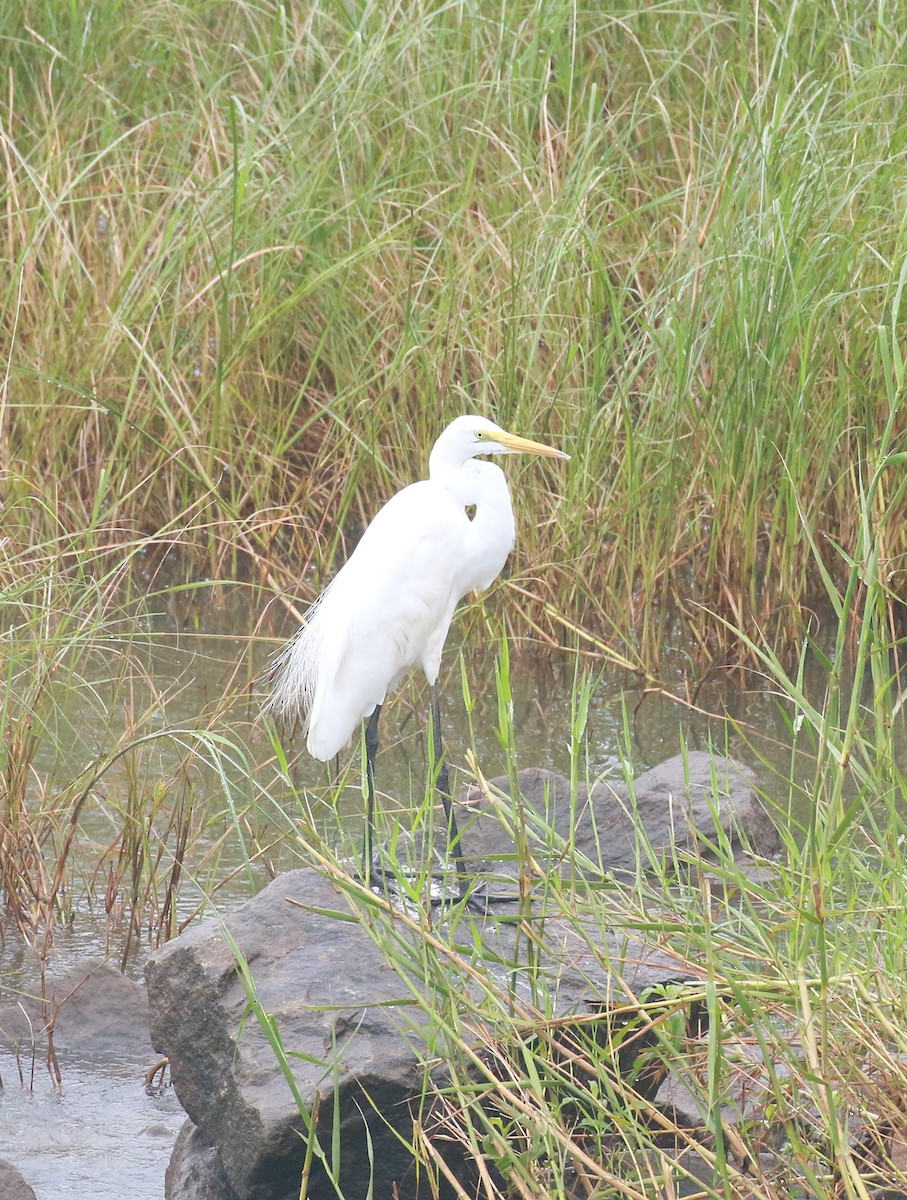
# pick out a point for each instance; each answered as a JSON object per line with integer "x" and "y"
{"x": 389, "y": 608}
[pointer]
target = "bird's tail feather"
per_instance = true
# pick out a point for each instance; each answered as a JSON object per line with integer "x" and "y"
{"x": 293, "y": 672}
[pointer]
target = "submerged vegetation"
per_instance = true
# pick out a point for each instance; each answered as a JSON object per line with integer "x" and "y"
{"x": 256, "y": 256}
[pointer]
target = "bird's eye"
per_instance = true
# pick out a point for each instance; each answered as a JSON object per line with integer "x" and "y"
{"x": 480, "y": 436}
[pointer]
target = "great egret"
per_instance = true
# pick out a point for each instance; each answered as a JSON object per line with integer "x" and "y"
{"x": 389, "y": 607}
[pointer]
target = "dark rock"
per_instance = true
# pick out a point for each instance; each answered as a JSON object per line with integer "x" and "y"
{"x": 344, "y": 1020}
{"x": 196, "y": 1171}
{"x": 94, "y": 1011}
{"x": 344, "y": 1038}
{"x": 745, "y": 1091}
{"x": 686, "y": 804}
{"x": 352, "y": 1035}
{"x": 12, "y": 1185}
{"x": 693, "y": 1175}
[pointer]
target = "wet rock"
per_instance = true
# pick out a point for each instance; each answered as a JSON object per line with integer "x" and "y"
{"x": 196, "y": 1171}
{"x": 12, "y": 1185}
{"x": 93, "y": 1010}
{"x": 685, "y": 804}
{"x": 351, "y": 1035}
{"x": 344, "y": 1019}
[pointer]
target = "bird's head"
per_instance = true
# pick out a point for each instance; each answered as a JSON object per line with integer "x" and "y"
{"x": 468, "y": 437}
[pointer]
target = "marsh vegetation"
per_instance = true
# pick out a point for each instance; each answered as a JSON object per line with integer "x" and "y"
{"x": 256, "y": 256}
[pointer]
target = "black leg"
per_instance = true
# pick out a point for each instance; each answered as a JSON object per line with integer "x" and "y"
{"x": 443, "y": 786}
{"x": 371, "y": 749}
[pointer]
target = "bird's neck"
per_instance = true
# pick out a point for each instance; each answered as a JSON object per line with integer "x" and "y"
{"x": 481, "y": 486}
{"x": 468, "y": 482}
{"x": 441, "y": 466}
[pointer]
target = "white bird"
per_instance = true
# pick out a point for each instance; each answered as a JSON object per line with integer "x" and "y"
{"x": 390, "y": 606}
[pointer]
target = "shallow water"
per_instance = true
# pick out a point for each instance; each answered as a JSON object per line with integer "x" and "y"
{"x": 99, "y": 1136}
{"x": 190, "y": 669}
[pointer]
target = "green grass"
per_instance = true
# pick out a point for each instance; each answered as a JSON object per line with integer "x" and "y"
{"x": 256, "y": 258}
{"x": 799, "y": 1011}
{"x": 801, "y": 1000}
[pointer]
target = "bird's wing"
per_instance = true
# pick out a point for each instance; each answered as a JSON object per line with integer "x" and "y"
{"x": 392, "y": 600}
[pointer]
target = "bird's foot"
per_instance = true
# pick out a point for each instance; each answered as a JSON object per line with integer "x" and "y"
{"x": 416, "y": 885}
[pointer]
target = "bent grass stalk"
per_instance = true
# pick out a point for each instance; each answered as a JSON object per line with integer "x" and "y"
{"x": 668, "y": 244}
{"x": 799, "y": 998}
{"x": 252, "y": 277}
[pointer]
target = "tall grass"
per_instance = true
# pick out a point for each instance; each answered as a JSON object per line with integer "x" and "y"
{"x": 258, "y": 255}
{"x": 255, "y": 257}
{"x": 113, "y": 798}
{"x": 787, "y": 1044}
{"x": 788, "y": 1040}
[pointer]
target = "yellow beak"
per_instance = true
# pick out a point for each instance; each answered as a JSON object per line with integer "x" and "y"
{"x": 519, "y": 445}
